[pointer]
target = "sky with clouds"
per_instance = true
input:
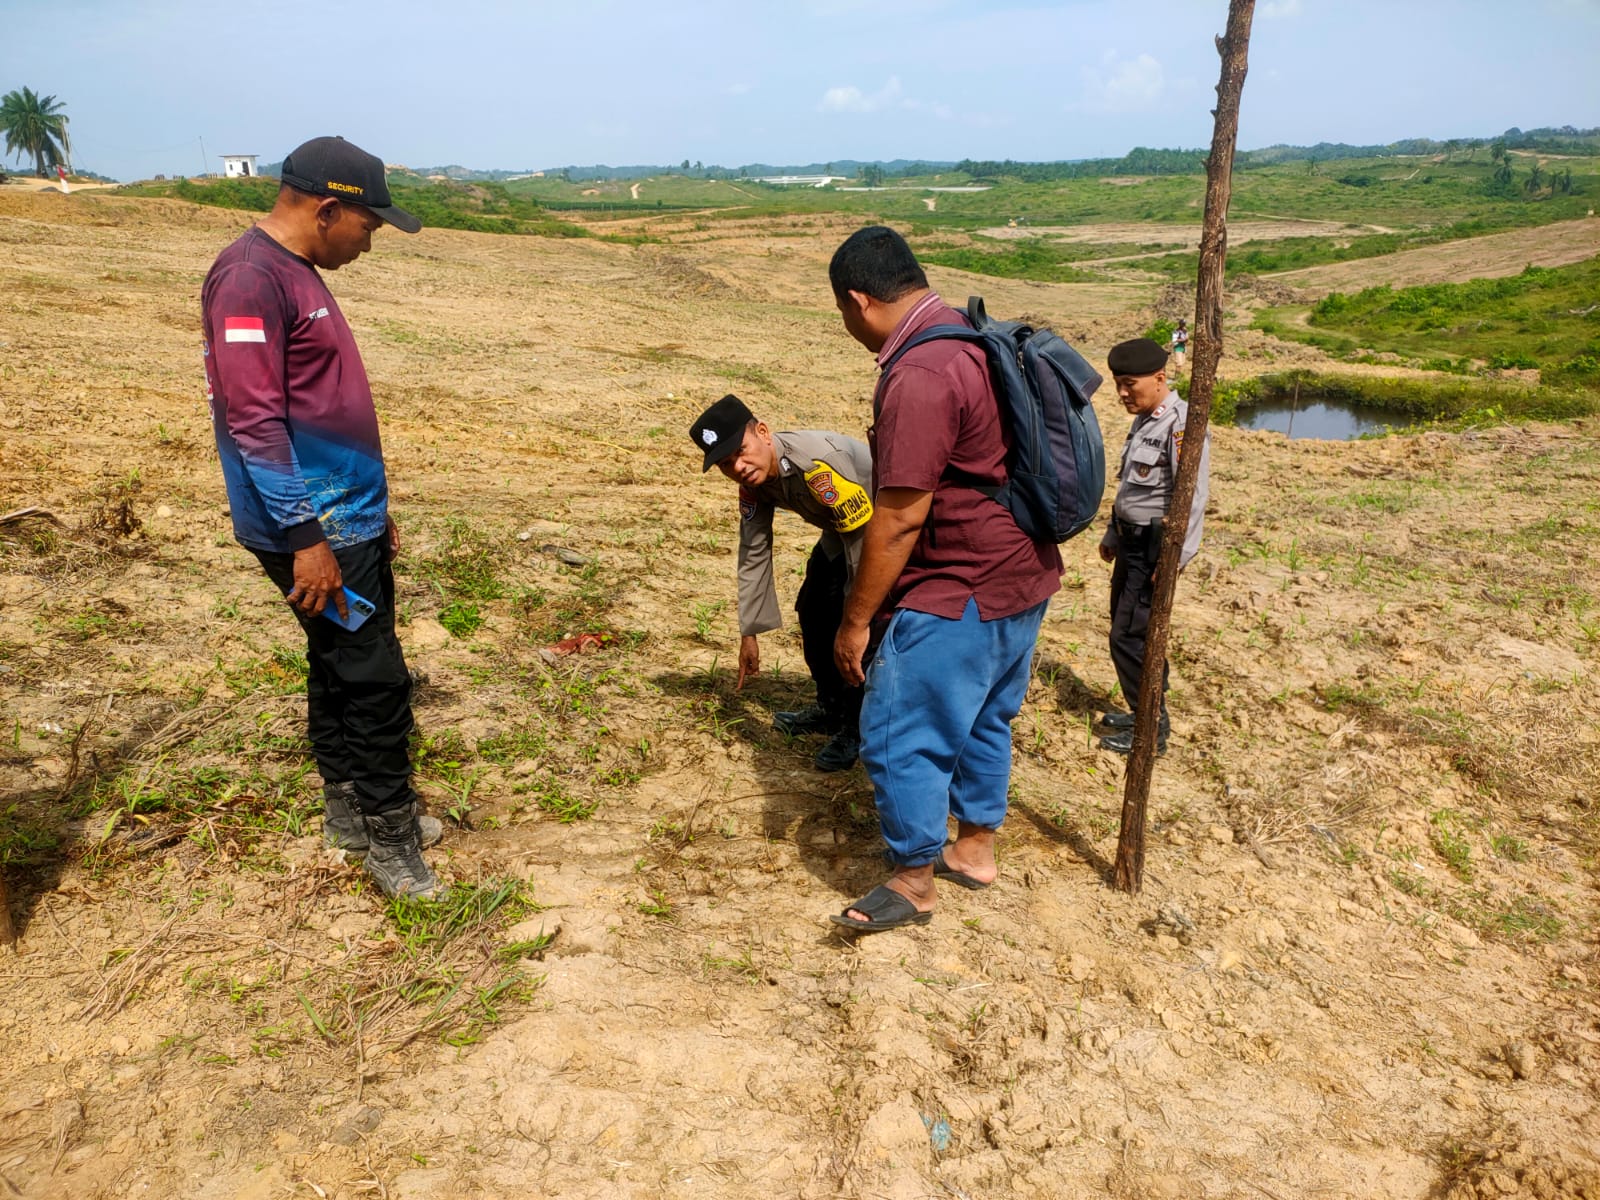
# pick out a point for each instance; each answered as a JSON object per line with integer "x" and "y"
{"x": 503, "y": 84}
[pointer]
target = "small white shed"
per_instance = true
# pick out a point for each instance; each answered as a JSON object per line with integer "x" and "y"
{"x": 238, "y": 165}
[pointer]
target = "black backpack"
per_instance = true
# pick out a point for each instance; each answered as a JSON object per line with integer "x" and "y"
{"x": 1057, "y": 466}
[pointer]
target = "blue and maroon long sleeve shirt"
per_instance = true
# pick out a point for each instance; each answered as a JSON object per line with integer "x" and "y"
{"x": 290, "y": 403}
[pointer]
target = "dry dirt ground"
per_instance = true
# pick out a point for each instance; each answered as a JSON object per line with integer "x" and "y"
{"x": 1363, "y": 963}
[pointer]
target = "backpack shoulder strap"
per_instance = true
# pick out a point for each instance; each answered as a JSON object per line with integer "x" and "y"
{"x": 934, "y": 333}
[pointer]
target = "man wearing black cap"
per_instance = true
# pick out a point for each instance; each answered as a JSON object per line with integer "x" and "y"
{"x": 822, "y": 478}
{"x": 1133, "y": 539}
{"x": 298, "y": 438}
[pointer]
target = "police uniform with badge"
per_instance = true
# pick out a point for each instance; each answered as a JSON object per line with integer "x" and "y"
{"x": 1148, "y": 472}
{"x": 823, "y": 478}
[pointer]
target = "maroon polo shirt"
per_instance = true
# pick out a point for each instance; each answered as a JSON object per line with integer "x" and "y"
{"x": 937, "y": 429}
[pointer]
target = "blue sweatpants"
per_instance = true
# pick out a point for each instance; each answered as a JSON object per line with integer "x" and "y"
{"x": 936, "y": 723}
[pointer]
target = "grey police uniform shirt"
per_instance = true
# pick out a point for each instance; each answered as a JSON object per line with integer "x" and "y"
{"x": 1149, "y": 470}
{"x": 824, "y": 478}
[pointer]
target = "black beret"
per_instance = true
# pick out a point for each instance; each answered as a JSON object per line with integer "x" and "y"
{"x": 719, "y": 431}
{"x": 1139, "y": 356}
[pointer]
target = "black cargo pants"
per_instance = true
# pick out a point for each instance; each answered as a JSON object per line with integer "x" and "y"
{"x": 1131, "y": 593}
{"x": 358, "y": 689}
{"x": 820, "y": 608}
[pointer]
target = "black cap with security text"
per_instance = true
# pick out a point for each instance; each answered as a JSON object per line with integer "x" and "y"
{"x": 331, "y": 166}
{"x": 719, "y": 431}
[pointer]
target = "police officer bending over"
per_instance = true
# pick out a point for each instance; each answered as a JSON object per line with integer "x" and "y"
{"x": 823, "y": 478}
{"x": 1133, "y": 540}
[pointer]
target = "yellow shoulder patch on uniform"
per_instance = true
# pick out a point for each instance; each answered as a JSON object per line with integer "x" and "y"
{"x": 1177, "y": 442}
{"x": 848, "y": 500}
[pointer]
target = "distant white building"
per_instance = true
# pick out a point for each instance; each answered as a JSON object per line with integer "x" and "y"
{"x": 799, "y": 180}
{"x": 239, "y": 165}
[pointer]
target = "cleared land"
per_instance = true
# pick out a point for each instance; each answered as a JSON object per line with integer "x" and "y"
{"x": 1486, "y": 257}
{"x": 1363, "y": 966}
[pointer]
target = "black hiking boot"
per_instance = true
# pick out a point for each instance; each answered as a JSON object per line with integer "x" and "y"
{"x": 840, "y": 752}
{"x": 1116, "y": 720}
{"x": 1122, "y": 743}
{"x": 813, "y": 718}
{"x": 343, "y": 827}
{"x": 394, "y": 855}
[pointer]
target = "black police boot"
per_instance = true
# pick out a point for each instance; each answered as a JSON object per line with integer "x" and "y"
{"x": 394, "y": 855}
{"x": 813, "y": 718}
{"x": 343, "y": 827}
{"x": 840, "y": 752}
{"x": 1122, "y": 743}
{"x": 1116, "y": 720}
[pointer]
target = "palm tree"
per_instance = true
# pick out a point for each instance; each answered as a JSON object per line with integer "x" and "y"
{"x": 36, "y": 126}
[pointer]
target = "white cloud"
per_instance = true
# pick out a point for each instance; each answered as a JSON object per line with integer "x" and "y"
{"x": 853, "y": 100}
{"x": 739, "y": 89}
{"x": 1123, "y": 84}
{"x": 1280, "y": 8}
{"x": 890, "y": 97}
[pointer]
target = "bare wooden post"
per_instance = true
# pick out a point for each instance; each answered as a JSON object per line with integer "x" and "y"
{"x": 8, "y": 931}
{"x": 1234, "y": 48}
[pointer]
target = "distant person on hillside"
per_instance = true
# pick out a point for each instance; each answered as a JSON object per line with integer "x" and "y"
{"x": 1180, "y": 344}
{"x": 823, "y": 479}
{"x": 955, "y": 585}
{"x": 1132, "y": 541}
{"x": 298, "y": 437}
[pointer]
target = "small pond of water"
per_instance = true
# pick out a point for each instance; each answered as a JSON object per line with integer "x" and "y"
{"x": 1328, "y": 420}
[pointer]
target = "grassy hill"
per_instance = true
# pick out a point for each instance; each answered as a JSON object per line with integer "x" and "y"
{"x": 481, "y": 207}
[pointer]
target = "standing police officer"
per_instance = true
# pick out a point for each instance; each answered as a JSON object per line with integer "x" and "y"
{"x": 1133, "y": 540}
{"x": 823, "y": 479}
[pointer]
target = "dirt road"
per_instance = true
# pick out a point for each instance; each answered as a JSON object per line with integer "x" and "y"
{"x": 1363, "y": 964}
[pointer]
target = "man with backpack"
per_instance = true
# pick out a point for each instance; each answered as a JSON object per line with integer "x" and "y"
{"x": 957, "y": 586}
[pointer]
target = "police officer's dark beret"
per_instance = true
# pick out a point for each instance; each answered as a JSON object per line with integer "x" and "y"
{"x": 719, "y": 431}
{"x": 1138, "y": 356}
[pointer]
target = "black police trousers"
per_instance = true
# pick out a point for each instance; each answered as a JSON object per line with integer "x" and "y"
{"x": 820, "y": 608}
{"x": 358, "y": 689}
{"x": 1131, "y": 592}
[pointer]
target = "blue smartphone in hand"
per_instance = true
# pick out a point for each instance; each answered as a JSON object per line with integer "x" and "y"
{"x": 360, "y": 608}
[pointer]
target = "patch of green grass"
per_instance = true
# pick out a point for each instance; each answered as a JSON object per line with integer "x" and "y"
{"x": 1543, "y": 318}
{"x": 1510, "y": 848}
{"x": 87, "y": 625}
{"x": 466, "y": 565}
{"x": 283, "y": 671}
{"x": 504, "y": 749}
{"x": 24, "y": 835}
{"x": 553, "y": 797}
{"x": 1449, "y": 840}
{"x": 657, "y": 906}
{"x": 424, "y": 923}
{"x": 1527, "y": 920}
{"x": 1019, "y": 258}
{"x": 461, "y": 618}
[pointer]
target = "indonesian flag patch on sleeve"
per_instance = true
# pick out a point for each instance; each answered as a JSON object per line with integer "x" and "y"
{"x": 243, "y": 329}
